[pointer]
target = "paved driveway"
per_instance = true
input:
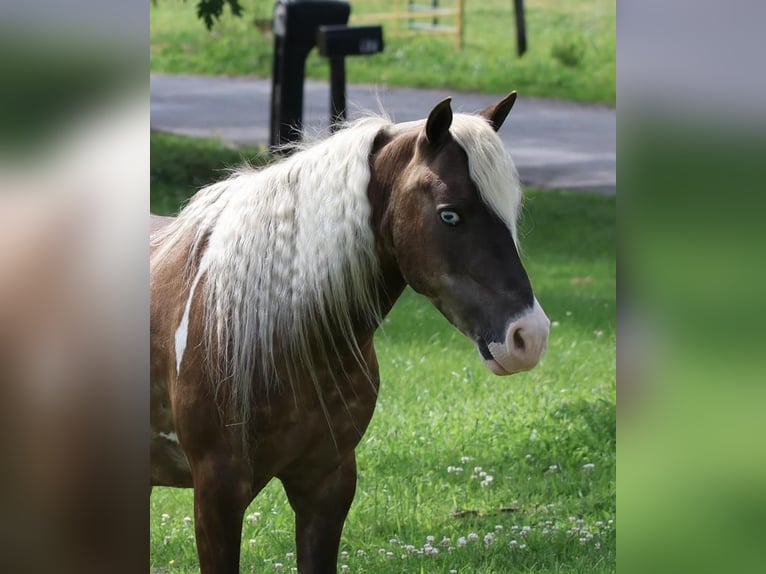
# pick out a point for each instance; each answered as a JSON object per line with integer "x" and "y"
{"x": 554, "y": 143}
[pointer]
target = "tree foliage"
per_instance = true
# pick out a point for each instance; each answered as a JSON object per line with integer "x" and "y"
{"x": 211, "y": 10}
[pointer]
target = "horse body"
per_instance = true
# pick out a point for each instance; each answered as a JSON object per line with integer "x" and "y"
{"x": 263, "y": 367}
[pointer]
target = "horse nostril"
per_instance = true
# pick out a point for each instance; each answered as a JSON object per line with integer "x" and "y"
{"x": 518, "y": 340}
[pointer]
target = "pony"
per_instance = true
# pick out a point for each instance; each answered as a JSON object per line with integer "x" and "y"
{"x": 267, "y": 289}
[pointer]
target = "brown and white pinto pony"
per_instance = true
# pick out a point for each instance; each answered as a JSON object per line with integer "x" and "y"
{"x": 266, "y": 292}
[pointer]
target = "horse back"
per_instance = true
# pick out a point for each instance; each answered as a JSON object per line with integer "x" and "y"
{"x": 158, "y": 222}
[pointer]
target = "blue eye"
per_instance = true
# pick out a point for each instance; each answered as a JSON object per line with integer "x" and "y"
{"x": 449, "y": 217}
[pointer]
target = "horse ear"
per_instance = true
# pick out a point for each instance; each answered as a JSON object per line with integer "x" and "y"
{"x": 496, "y": 113}
{"x": 438, "y": 123}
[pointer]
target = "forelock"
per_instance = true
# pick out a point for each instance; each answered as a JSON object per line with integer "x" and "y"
{"x": 490, "y": 167}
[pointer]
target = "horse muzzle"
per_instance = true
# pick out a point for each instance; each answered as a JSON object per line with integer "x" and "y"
{"x": 526, "y": 339}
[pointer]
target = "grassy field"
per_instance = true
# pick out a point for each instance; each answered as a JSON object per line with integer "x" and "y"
{"x": 571, "y": 51}
{"x": 444, "y": 424}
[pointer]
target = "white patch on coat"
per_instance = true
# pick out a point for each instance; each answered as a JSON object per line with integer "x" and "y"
{"x": 182, "y": 333}
{"x": 171, "y": 436}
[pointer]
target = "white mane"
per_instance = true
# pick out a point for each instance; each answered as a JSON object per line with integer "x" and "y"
{"x": 288, "y": 250}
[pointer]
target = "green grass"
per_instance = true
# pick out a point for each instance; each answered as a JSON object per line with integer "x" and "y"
{"x": 181, "y": 165}
{"x": 438, "y": 403}
{"x": 571, "y": 52}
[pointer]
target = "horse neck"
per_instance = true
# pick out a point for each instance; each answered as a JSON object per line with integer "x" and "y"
{"x": 388, "y": 161}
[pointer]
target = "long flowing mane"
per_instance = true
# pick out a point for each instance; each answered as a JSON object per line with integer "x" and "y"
{"x": 286, "y": 261}
{"x": 284, "y": 256}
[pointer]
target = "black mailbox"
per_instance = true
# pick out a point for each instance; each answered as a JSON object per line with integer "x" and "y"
{"x": 295, "y": 34}
{"x": 336, "y": 41}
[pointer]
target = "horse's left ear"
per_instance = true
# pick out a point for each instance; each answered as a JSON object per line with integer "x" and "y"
{"x": 496, "y": 113}
{"x": 439, "y": 122}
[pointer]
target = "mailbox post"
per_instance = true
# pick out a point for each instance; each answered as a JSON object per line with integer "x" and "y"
{"x": 299, "y": 25}
{"x": 337, "y": 42}
{"x": 295, "y": 33}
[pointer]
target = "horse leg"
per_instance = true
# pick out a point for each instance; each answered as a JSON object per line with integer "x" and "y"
{"x": 321, "y": 504}
{"x": 221, "y": 495}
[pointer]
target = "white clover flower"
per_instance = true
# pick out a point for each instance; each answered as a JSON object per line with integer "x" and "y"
{"x": 450, "y": 549}
{"x": 404, "y": 557}
{"x": 187, "y": 520}
{"x": 513, "y": 543}
{"x": 599, "y": 524}
{"x": 167, "y": 540}
{"x": 465, "y": 459}
{"x": 293, "y": 569}
{"x": 360, "y": 552}
{"x": 389, "y": 555}
{"x": 291, "y": 555}
{"x": 473, "y": 537}
{"x": 430, "y": 539}
{"x": 588, "y": 467}
{"x": 582, "y": 541}
{"x": 164, "y": 518}
{"x": 445, "y": 541}
{"x": 277, "y": 566}
{"x": 461, "y": 541}
{"x": 522, "y": 546}
{"x": 393, "y": 540}
{"x": 489, "y": 538}
{"x": 344, "y": 555}
{"x": 453, "y": 571}
{"x": 344, "y": 568}
{"x": 553, "y": 468}
{"x": 253, "y": 517}
{"x": 477, "y": 469}
{"x": 382, "y": 551}
{"x": 251, "y": 542}
{"x": 498, "y": 528}
{"x": 597, "y": 546}
{"x": 482, "y": 474}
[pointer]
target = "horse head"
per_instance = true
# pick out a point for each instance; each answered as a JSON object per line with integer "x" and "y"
{"x": 450, "y": 223}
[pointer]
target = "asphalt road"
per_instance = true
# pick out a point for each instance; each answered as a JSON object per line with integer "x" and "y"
{"x": 555, "y": 144}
